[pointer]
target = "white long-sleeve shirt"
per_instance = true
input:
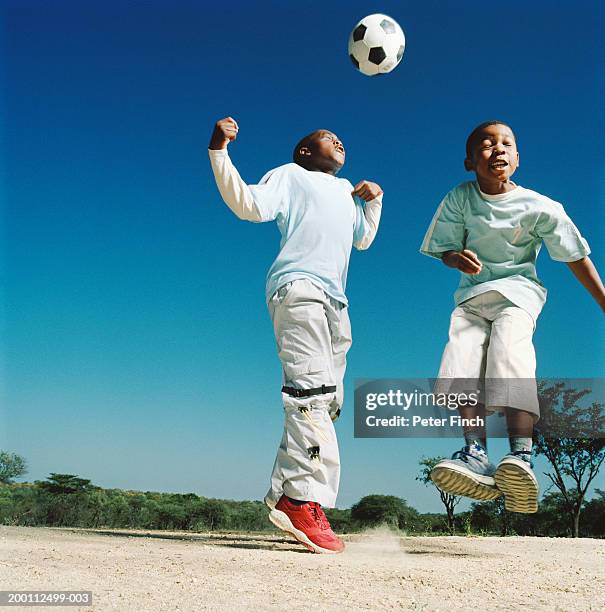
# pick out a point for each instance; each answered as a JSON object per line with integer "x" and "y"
{"x": 317, "y": 216}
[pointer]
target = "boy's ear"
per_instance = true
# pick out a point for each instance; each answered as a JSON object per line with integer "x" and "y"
{"x": 304, "y": 151}
{"x": 468, "y": 165}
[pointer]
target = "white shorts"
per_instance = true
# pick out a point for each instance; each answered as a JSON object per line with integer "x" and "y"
{"x": 491, "y": 339}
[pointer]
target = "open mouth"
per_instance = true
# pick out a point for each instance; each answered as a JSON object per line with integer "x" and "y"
{"x": 498, "y": 164}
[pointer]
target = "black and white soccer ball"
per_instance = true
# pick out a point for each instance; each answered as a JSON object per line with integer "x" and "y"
{"x": 376, "y": 44}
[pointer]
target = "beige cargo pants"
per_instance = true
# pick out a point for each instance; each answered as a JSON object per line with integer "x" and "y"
{"x": 313, "y": 335}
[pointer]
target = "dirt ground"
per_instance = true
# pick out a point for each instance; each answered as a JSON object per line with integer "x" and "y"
{"x": 137, "y": 571}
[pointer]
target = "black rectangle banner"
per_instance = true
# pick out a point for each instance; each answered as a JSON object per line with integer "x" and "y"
{"x": 428, "y": 407}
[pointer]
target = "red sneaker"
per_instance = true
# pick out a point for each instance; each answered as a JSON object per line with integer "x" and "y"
{"x": 308, "y": 524}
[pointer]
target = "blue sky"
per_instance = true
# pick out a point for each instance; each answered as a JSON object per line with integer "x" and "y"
{"x": 137, "y": 349}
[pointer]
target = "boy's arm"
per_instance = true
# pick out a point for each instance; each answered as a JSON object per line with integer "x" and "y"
{"x": 445, "y": 236}
{"x": 372, "y": 194}
{"x": 585, "y": 271}
{"x": 234, "y": 191}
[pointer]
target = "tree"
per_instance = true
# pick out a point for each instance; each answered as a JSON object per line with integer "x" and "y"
{"x": 214, "y": 513}
{"x": 340, "y": 520}
{"x": 568, "y": 436}
{"x": 65, "y": 501}
{"x": 593, "y": 515}
{"x": 449, "y": 501}
{"x": 65, "y": 484}
{"x": 492, "y": 517}
{"x": 373, "y": 510}
{"x": 11, "y": 466}
{"x": 552, "y": 518}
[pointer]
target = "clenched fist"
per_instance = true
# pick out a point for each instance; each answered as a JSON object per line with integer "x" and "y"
{"x": 367, "y": 190}
{"x": 224, "y": 132}
{"x": 466, "y": 261}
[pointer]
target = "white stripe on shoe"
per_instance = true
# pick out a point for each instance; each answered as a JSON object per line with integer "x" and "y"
{"x": 455, "y": 479}
{"x": 515, "y": 478}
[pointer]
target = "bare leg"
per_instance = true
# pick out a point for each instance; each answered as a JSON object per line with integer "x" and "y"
{"x": 520, "y": 423}
{"x": 474, "y": 433}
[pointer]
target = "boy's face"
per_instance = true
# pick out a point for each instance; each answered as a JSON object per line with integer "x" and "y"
{"x": 324, "y": 152}
{"x": 493, "y": 156}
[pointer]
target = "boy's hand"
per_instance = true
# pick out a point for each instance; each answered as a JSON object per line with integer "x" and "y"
{"x": 466, "y": 261}
{"x": 367, "y": 190}
{"x": 224, "y": 132}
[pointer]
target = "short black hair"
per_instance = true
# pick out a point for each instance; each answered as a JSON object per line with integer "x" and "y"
{"x": 473, "y": 135}
{"x": 303, "y": 142}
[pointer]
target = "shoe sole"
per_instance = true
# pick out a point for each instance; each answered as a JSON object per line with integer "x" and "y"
{"x": 518, "y": 485}
{"x": 269, "y": 503}
{"x": 455, "y": 480}
{"x": 282, "y": 521}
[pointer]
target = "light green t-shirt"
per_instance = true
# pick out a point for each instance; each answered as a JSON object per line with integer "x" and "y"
{"x": 506, "y": 232}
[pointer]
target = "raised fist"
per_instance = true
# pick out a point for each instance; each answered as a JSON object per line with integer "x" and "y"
{"x": 224, "y": 132}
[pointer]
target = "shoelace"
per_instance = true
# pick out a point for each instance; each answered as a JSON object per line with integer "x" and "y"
{"x": 462, "y": 454}
{"x": 525, "y": 456}
{"x": 319, "y": 516}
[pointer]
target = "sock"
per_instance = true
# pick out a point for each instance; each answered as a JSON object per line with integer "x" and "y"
{"x": 296, "y": 502}
{"x": 518, "y": 445}
{"x": 471, "y": 438}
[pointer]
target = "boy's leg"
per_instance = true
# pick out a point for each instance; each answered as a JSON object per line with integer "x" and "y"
{"x": 307, "y": 467}
{"x": 469, "y": 471}
{"x": 475, "y": 433}
{"x": 340, "y": 334}
{"x": 520, "y": 426}
{"x": 276, "y": 488}
{"x": 511, "y": 368}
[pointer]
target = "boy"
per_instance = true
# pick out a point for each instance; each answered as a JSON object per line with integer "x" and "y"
{"x": 491, "y": 230}
{"x": 319, "y": 222}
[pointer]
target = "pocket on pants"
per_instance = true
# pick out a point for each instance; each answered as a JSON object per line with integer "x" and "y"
{"x": 340, "y": 331}
{"x": 314, "y": 365}
{"x": 279, "y": 296}
{"x": 309, "y": 427}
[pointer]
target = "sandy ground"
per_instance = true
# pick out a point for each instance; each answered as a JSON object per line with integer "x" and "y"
{"x": 181, "y": 571}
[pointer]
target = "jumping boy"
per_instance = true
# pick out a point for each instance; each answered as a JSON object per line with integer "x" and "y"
{"x": 319, "y": 221}
{"x": 491, "y": 230}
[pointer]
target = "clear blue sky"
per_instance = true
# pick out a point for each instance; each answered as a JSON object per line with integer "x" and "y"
{"x": 137, "y": 348}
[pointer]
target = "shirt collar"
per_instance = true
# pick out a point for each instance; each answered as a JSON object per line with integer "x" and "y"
{"x": 498, "y": 197}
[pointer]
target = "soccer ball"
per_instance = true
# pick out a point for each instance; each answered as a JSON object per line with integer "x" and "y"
{"x": 376, "y": 44}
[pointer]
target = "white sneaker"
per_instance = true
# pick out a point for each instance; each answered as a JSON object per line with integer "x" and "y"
{"x": 269, "y": 502}
{"x": 518, "y": 483}
{"x": 467, "y": 473}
